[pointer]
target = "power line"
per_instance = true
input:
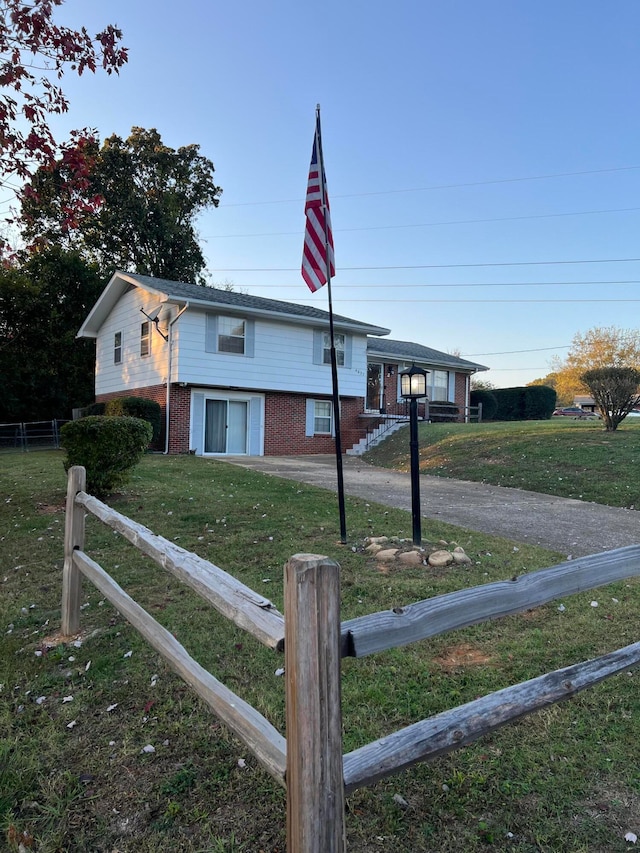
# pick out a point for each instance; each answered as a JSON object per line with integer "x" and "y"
{"x": 513, "y": 351}
{"x": 461, "y": 284}
{"x": 433, "y": 224}
{"x": 438, "y": 266}
{"x": 342, "y": 300}
{"x": 445, "y": 186}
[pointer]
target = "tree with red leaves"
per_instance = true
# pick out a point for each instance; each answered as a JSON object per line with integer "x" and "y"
{"x": 34, "y": 54}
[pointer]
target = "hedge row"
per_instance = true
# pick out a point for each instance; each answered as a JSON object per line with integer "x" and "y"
{"x": 525, "y": 403}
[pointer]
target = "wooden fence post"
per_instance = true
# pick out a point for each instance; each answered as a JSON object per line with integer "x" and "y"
{"x": 73, "y": 538}
{"x": 315, "y": 779}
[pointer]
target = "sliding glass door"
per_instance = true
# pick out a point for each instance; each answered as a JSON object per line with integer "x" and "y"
{"x": 225, "y": 427}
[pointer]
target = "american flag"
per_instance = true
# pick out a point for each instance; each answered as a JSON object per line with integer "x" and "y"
{"x": 318, "y": 241}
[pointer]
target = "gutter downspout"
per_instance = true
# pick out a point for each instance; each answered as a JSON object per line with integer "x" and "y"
{"x": 169, "y": 366}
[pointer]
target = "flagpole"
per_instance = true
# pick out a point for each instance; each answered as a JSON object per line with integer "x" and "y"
{"x": 334, "y": 362}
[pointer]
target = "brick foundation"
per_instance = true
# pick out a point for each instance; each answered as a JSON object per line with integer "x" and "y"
{"x": 285, "y": 421}
{"x": 285, "y": 417}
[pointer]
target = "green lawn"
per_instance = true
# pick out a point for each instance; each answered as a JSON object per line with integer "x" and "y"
{"x": 74, "y": 719}
{"x": 567, "y": 458}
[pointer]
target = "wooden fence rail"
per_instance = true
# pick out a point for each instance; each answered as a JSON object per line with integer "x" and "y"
{"x": 310, "y": 763}
{"x": 387, "y": 629}
{"x": 250, "y": 611}
{"x": 266, "y": 742}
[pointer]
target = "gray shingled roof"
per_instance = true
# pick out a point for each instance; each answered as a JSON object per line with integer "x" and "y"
{"x": 182, "y": 290}
{"x": 408, "y": 351}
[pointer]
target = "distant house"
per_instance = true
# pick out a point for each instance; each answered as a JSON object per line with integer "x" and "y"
{"x": 585, "y": 402}
{"x": 240, "y": 374}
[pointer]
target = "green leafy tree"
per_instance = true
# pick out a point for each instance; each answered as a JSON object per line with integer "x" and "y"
{"x": 615, "y": 391}
{"x": 604, "y": 346}
{"x": 45, "y": 370}
{"x": 479, "y": 384}
{"x": 136, "y": 211}
{"x": 551, "y": 381}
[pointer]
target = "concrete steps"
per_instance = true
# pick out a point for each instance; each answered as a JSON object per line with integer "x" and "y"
{"x": 375, "y": 436}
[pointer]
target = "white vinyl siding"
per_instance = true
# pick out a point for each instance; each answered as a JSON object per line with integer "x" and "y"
{"x": 279, "y": 356}
{"x": 133, "y": 371}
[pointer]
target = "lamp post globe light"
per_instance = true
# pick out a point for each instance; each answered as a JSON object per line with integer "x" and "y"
{"x": 413, "y": 387}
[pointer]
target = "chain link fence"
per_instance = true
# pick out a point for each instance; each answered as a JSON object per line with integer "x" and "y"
{"x": 36, "y": 435}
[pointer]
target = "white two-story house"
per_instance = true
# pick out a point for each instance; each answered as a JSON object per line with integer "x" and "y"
{"x": 240, "y": 374}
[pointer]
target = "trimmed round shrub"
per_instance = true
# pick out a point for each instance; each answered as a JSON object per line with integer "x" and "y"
{"x": 136, "y": 407}
{"x": 107, "y": 447}
{"x": 443, "y": 412}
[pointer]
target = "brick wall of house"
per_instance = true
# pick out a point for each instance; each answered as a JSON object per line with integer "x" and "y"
{"x": 285, "y": 426}
{"x": 390, "y": 383}
{"x": 460, "y": 396}
{"x": 180, "y": 419}
{"x": 285, "y": 421}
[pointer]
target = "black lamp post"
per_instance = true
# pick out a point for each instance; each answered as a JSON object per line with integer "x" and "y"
{"x": 413, "y": 386}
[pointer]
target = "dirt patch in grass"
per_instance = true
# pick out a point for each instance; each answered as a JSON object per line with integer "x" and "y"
{"x": 617, "y": 809}
{"x": 533, "y": 614}
{"x": 49, "y": 509}
{"x": 52, "y": 641}
{"x": 460, "y": 656}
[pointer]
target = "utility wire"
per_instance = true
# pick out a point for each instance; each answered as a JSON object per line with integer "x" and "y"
{"x": 458, "y": 284}
{"x": 342, "y": 300}
{"x": 438, "y": 266}
{"x": 513, "y": 351}
{"x": 444, "y": 186}
{"x": 432, "y": 224}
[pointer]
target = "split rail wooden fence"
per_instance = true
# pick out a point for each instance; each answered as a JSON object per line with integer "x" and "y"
{"x": 310, "y": 763}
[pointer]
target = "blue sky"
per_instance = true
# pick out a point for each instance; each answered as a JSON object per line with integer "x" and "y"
{"x": 442, "y": 124}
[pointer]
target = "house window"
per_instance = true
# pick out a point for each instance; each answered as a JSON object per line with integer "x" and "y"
{"x": 322, "y": 417}
{"x": 231, "y": 335}
{"x": 145, "y": 338}
{"x": 339, "y": 343}
{"x": 117, "y": 348}
{"x": 439, "y": 385}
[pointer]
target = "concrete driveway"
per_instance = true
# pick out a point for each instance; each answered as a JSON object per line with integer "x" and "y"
{"x": 572, "y": 527}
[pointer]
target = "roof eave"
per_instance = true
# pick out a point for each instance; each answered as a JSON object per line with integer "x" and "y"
{"x": 466, "y": 366}
{"x": 104, "y": 305}
{"x": 300, "y": 319}
{"x": 110, "y": 295}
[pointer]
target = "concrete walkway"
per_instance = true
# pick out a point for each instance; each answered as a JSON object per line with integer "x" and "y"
{"x": 569, "y": 526}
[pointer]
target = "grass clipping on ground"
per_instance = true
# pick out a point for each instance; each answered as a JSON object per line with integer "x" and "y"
{"x": 104, "y": 749}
